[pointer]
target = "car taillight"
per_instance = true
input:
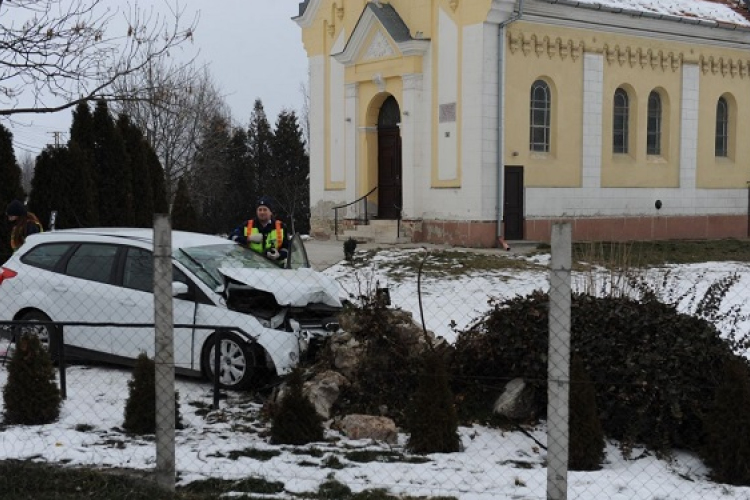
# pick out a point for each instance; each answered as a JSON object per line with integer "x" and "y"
{"x": 6, "y": 273}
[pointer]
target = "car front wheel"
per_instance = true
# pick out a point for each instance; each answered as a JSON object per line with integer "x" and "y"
{"x": 241, "y": 364}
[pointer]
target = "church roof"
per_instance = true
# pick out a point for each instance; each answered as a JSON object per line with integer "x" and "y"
{"x": 391, "y": 21}
{"x": 723, "y": 13}
{"x": 303, "y": 6}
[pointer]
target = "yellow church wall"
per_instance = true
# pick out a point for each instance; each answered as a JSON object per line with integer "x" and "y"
{"x": 561, "y": 167}
{"x": 635, "y": 168}
{"x": 732, "y": 171}
{"x": 640, "y": 66}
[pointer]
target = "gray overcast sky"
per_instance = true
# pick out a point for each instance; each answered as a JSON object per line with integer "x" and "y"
{"x": 253, "y": 49}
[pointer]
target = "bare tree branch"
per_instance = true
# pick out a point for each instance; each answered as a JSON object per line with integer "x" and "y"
{"x": 174, "y": 106}
{"x": 55, "y": 54}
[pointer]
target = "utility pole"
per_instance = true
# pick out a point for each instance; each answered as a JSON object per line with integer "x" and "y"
{"x": 57, "y": 135}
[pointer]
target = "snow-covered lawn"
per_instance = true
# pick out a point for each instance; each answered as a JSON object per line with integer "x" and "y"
{"x": 232, "y": 442}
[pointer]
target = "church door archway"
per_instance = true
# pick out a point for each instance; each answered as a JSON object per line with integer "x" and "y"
{"x": 390, "y": 192}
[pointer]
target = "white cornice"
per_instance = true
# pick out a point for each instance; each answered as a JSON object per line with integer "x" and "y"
{"x": 306, "y": 19}
{"x": 348, "y": 56}
{"x": 501, "y": 11}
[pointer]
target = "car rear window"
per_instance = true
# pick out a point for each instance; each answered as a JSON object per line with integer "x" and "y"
{"x": 92, "y": 262}
{"x": 46, "y": 256}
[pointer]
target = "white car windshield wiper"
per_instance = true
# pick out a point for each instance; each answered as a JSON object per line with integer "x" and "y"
{"x": 200, "y": 266}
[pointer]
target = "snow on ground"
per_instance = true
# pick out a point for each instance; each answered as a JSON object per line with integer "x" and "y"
{"x": 232, "y": 442}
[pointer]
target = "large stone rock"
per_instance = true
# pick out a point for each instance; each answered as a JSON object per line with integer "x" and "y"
{"x": 323, "y": 391}
{"x": 369, "y": 427}
{"x": 516, "y": 402}
{"x": 346, "y": 353}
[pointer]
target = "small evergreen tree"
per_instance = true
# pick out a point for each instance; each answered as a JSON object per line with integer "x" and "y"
{"x": 31, "y": 395}
{"x": 586, "y": 446}
{"x": 432, "y": 422}
{"x": 260, "y": 140}
{"x": 82, "y": 200}
{"x": 82, "y": 127}
{"x": 10, "y": 186}
{"x": 140, "y": 408}
{"x": 141, "y": 187}
{"x": 184, "y": 217}
{"x": 289, "y": 182}
{"x": 45, "y": 193}
{"x": 295, "y": 421}
{"x": 727, "y": 444}
{"x": 63, "y": 182}
{"x": 112, "y": 171}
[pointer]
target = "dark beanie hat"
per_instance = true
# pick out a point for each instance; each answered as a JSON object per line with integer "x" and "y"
{"x": 16, "y": 207}
{"x": 266, "y": 202}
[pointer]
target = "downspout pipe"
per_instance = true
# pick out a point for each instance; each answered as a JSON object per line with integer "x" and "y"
{"x": 517, "y": 14}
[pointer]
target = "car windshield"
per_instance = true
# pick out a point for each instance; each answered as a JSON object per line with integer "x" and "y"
{"x": 205, "y": 261}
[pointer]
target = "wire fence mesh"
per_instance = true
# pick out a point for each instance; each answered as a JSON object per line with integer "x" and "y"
{"x": 566, "y": 380}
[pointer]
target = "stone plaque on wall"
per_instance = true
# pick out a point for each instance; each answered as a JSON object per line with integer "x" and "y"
{"x": 447, "y": 113}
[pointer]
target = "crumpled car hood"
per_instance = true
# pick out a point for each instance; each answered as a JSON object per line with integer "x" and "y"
{"x": 290, "y": 287}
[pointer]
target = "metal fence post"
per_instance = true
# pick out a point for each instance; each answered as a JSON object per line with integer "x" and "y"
{"x": 164, "y": 358}
{"x": 61, "y": 363}
{"x": 558, "y": 364}
{"x": 218, "y": 339}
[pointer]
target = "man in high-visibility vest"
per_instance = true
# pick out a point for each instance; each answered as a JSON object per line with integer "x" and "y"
{"x": 263, "y": 233}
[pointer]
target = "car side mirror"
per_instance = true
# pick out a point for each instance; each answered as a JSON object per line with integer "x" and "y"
{"x": 179, "y": 288}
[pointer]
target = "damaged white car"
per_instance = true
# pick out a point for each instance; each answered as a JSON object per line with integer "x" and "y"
{"x": 99, "y": 283}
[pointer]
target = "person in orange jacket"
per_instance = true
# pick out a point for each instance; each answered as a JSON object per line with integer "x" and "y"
{"x": 24, "y": 223}
{"x": 263, "y": 233}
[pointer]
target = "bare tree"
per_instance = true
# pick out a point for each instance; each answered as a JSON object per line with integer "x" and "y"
{"x": 27, "y": 163}
{"x": 177, "y": 114}
{"x": 55, "y": 54}
{"x": 304, "y": 88}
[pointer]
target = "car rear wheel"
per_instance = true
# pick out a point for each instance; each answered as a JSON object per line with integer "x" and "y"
{"x": 241, "y": 364}
{"x": 47, "y": 334}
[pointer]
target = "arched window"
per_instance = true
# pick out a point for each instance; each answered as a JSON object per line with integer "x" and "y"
{"x": 653, "y": 132}
{"x": 620, "y": 124}
{"x": 722, "y": 127}
{"x": 541, "y": 106}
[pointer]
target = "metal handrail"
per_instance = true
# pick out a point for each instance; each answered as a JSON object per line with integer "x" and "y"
{"x": 336, "y": 211}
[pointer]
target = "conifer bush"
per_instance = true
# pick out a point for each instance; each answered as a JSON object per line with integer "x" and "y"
{"x": 727, "y": 447}
{"x": 653, "y": 367}
{"x": 433, "y": 423}
{"x": 31, "y": 395}
{"x": 388, "y": 366}
{"x": 586, "y": 443}
{"x": 295, "y": 420}
{"x": 140, "y": 408}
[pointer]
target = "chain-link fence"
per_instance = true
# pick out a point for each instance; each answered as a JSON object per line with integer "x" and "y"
{"x": 562, "y": 379}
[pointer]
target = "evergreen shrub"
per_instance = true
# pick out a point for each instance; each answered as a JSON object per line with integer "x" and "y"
{"x": 586, "y": 443}
{"x": 295, "y": 420}
{"x": 433, "y": 423}
{"x": 727, "y": 448}
{"x": 653, "y": 367}
{"x": 31, "y": 395}
{"x": 388, "y": 367}
{"x": 350, "y": 245}
{"x": 140, "y": 407}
